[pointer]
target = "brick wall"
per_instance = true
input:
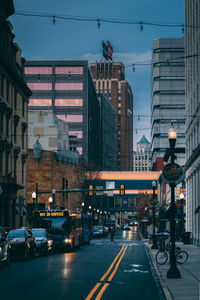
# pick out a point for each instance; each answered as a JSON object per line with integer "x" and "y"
{"x": 49, "y": 174}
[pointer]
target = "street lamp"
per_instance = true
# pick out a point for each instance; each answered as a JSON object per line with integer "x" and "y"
{"x": 34, "y": 197}
{"x": 182, "y": 213}
{"x": 50, "y": 202}
{"x": 173, "y": 271}
{"x": 154, "y": 221}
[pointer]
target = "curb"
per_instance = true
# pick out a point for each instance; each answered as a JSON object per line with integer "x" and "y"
{"x": 166, "y": 291}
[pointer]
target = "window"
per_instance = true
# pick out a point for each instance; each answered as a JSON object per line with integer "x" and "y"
{"x": 77, "y": 134}
{"x": 39, "y": 86}
{"x": 68, "y": 102}
{"x": 2, "y": 85}
{"x": 38, "y": 70}
{"x": 15, "y": 133}
{"x": 80, "y": 150}
{"x": 69, "y": 70}
{"x": 23, "y": 104}
{"x": 69, "y": 86}
{"x": 109, "y": 98}
{"x": 119, "y": 132}
{"x": 119, "y": 98}
{"x": 1, "y": 160}
{"x": 7, "y": 125}
{"x": 7, "y": 90}
{"x": 119, "y": 111}
{"x": 119, "y": 104}
{"x": 119, "y": 91}
{"x": 40, "y": 102}
{"x": 23, "y": 163}
{"x": 15, "y": 100}
{"x": 71, "y": 118}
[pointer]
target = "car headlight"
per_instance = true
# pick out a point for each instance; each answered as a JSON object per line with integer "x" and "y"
{"x": 50, "y": 242}
{"x": 68, "y": 241}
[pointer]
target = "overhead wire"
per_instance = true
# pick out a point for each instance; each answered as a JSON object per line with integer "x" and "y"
{"x": 106, "y": 20}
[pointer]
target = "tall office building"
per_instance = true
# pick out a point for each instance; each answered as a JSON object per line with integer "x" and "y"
{"x": 66, "y": 87}
{"x": 108, "y": 134}
{"x": 192, "y": 73}
{"x": 142, "y": 157}
{"x": 109, "y": 79}
{"x": 167, "y": 96}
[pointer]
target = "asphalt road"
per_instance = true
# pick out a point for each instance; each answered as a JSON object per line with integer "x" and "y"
{"x": 102, "y": 270}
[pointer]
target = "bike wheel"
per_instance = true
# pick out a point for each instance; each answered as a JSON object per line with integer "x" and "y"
{"x": 161, "y": 257}
{"x": 181, "y": 257}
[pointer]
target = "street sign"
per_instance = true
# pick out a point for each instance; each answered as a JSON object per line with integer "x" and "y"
{"x": 110, "y": 185}
{"x": 172, "y": 173}
{"x": 144, "y": 220}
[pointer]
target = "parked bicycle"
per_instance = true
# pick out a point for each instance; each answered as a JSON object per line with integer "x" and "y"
{"x": 163, "y": 254}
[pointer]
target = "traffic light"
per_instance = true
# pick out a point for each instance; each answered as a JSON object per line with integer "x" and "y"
{"x": 91, "y": 193}
{"x": 180, "y": 191}
{"x": 122, "y": 191}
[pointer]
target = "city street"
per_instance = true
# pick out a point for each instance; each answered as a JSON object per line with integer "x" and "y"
{"x": 101, "y": 270}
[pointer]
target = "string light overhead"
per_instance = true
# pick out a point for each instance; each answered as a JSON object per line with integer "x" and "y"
{"x": 105, "y": 20}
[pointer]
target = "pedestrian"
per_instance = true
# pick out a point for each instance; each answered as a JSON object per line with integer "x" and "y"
{"x": 111, "y": 234}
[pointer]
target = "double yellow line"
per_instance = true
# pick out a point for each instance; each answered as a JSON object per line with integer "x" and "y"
{"x": 114, "y": 264}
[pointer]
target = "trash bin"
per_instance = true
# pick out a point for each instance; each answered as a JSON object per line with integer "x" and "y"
{"x": 186, "y": 237}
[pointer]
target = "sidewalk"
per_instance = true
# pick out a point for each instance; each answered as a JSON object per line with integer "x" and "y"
{"x": 188, "y": 286}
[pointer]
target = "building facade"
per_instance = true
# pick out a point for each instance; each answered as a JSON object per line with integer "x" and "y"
{"x": 167, "y": 96}
{"x": 50, "y": 172}
{"x": 142, "y": 157}
{"x": 109, "y": 79}
{"x": 108, "y": 134}
{"x": 51, "y": 133}
{"x": 66, "y": 87}
{"x": 14, "y": 95}
{"x": 192, "y": 167}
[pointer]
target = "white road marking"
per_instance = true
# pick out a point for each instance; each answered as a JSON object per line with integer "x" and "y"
{"x": 134, "y": 269}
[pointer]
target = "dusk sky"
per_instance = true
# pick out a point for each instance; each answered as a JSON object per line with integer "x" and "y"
{"x": 67, "y": 39}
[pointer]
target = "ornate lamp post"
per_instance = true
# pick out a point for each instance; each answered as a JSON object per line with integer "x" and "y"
{"x": 154, "y": 208}
{"x": 173, "y": 271}
{"x": 182, "y": 213}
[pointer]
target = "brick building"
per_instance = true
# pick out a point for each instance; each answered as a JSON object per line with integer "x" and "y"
{"x": 51, "y": 173}
{"x": 109, "y": 79}
{"x": 14, "y": 95}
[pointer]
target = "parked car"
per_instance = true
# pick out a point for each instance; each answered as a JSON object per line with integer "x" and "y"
{"x": 43, "y": 243}
{"x": 22, "y": 243}
{"x": 4, "y": 247}
{"x": 125, "y": 227}
{"x": 98, "y": 231}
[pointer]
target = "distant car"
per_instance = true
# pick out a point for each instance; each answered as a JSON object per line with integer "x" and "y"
{"x": 43, "y": 243}
{"x": 125, "y": 227}
{"x": 4, "y": 247}
{"x": 22, "y": 243}
{"x": 98, "y": 231}
{"x": 135, "y": 223}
